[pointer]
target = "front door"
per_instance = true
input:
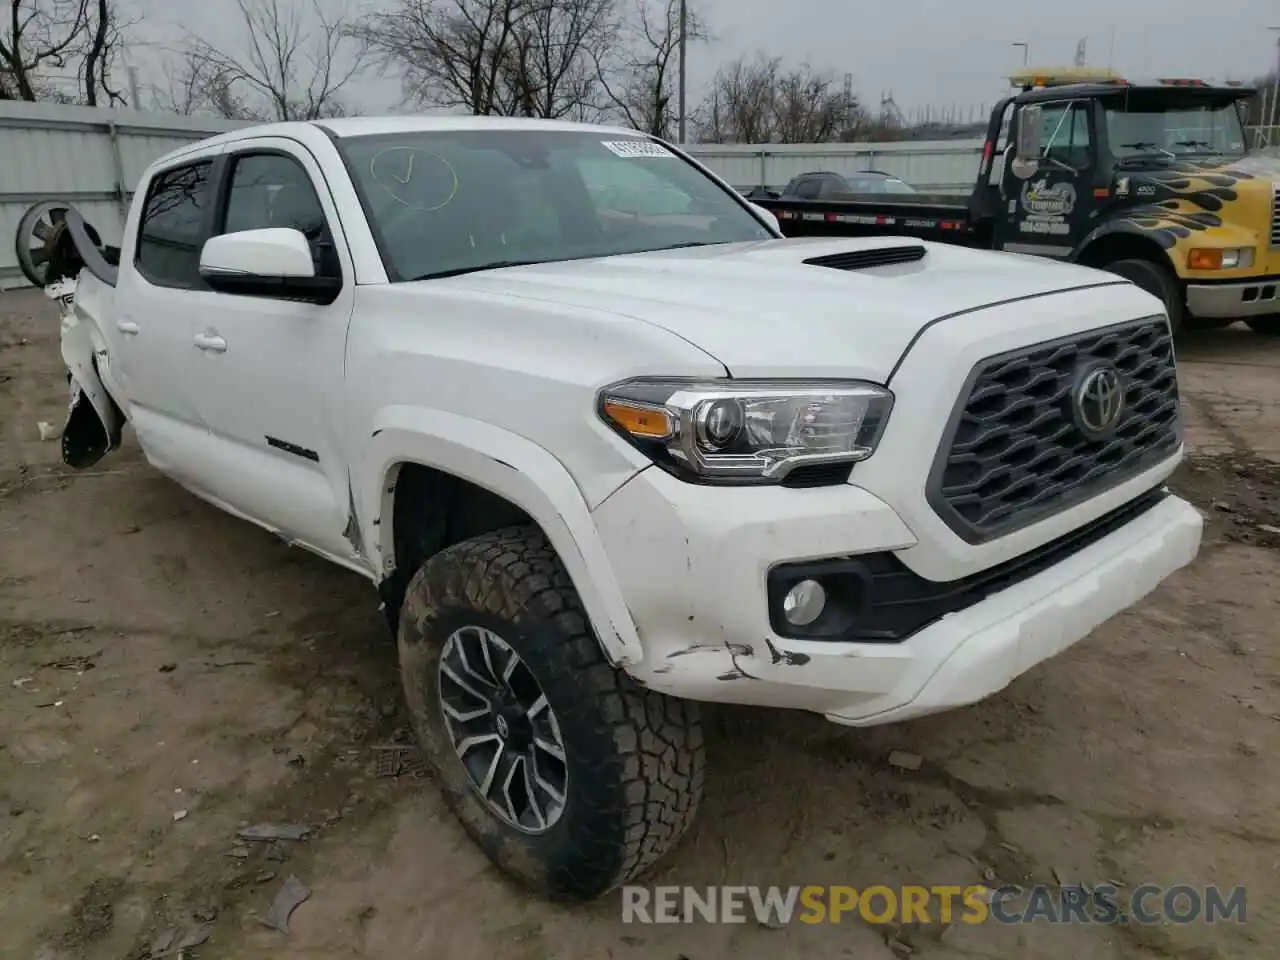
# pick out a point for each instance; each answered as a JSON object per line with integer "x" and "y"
{"x": 1048, "y": 213}
{"x": 268, "y": 373}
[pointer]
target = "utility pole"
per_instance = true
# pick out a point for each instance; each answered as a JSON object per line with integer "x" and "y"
{"x": 1026, "y": 50}
{"x": 133, "y": 88}
{"x": 1269, "y": 120}
{"x": 684, "y": 24}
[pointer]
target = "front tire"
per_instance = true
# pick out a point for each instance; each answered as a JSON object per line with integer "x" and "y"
{"x": 1158, "y": 281}
{"x": 1268, "y": 326}
{"x": 571, "y": 777}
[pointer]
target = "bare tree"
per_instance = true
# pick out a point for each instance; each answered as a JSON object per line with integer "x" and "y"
{"x": 35, "y": 36}
{"x": 515, "y": 57}
{"x": 760, "y": 101}
{"x": 552, "y": 71}
{"x": 104, "y": 34}
{"x": 808, "y": 107}
{"x": 639, "y": 77}
{"x": 740, "y": 105}
{"x": 450, "y": 53}
{"x": 296, "y": 58}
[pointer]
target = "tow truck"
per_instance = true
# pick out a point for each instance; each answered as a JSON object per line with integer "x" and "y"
{"x": 1151, "y": 181}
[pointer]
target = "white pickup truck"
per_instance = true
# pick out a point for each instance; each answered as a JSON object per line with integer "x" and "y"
{"x": 609, "y": 446}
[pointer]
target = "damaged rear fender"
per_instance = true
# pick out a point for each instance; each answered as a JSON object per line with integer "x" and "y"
{"x": 94, "y": 421}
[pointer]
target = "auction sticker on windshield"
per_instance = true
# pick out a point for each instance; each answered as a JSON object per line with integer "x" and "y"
{"x": 636, "y": 148}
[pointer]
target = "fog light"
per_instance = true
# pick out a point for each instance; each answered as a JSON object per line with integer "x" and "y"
{"x": 804, "y": 603}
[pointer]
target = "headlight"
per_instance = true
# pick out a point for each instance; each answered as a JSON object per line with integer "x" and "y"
{"x": 1213, "y": 258}
{"x": 747, "y": 431}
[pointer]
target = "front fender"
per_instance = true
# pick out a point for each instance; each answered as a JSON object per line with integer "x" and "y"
{"x": 1162, "y": 239}
{"x": 513, "y": 468}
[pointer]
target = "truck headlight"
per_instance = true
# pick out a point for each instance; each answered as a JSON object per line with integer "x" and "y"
{"x": 1214, "y": 258}
{"x": 747, "y": 431}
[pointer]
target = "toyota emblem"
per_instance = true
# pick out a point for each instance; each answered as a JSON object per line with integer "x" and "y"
{"x": 1098, "y": 401}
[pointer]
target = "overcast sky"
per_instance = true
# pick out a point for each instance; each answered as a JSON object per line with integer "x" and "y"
{"x": 926, "y": 52}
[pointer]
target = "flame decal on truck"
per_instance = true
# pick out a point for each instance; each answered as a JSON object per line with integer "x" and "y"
{"x": 1193, "y": 195}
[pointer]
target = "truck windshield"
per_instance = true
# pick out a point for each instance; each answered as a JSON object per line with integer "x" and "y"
{"x": 442, "y": 203}
{"x": 1166, "y": 129}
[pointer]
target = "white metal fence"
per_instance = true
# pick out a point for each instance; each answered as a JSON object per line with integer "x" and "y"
{"x": 94, "y": 158}
{"x": 90, "y": 157}
{"x": 931, "y": 166}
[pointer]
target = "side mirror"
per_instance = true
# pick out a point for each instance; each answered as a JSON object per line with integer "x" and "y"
{"x": 275, "y": 262}
{"x": 1026, "y": 157}
{"x": 767, "y": 216}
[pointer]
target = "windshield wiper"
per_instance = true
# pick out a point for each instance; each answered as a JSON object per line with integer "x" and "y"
{"x": 1149, "y": 146}
{"x": 459, "y": 271}
{"x": 1193, "y": 143}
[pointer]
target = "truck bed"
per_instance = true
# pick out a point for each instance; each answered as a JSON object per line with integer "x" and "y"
{"x": 942, "y": 217}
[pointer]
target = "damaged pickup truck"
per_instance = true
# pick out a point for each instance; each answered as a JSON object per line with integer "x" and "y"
{"x": 610, "y": 446}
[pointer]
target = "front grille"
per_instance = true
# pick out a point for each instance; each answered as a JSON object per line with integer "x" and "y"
{"x": 1013, "y": 454}
{"x": 1275, "y": 215}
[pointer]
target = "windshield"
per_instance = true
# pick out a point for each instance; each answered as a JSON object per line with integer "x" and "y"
{"x": 1175, "y": 129}
{"x": 449, "y": 202}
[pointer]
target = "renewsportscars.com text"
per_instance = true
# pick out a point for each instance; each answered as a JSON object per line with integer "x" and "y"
{"x": 1103, "y": 904}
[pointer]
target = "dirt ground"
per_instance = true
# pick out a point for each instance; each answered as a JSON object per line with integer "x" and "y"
{"x": 169, "y": 676}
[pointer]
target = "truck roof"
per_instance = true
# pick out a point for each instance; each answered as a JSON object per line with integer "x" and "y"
{"x": 1185, "y": 93}
{"x": 343, "y": 127}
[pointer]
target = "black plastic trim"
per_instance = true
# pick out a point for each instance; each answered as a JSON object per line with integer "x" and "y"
{"x": 293, "y": 448}
{"x": 893, "y": 602}
{"x": 866, "y": 259}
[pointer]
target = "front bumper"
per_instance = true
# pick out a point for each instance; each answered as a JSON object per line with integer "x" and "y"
{"x": 693, "y": 563}
{"x": 1248, "y": 298}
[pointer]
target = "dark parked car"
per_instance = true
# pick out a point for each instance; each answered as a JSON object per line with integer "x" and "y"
{"x": 824, "y": 184}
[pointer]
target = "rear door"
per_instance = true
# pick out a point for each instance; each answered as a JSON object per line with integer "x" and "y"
{"x": 159, "y": 296}
{"x": 1049, "y": 213}
{"x": 268, "y": 375}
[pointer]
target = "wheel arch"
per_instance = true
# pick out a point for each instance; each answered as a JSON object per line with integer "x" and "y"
{"x": 491, "y": 478}
{"x": 1117, "y": 241}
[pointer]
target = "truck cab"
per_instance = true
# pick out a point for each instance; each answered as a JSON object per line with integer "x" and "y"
{"x": 1153, "y": 182}
{"x": 1156, "y": 177}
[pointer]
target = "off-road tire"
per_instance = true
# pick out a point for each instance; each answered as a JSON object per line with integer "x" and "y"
{"x": 1268, "y": 326}
{"x": 635, "y": 758}
{"x": 1158, "y": 281}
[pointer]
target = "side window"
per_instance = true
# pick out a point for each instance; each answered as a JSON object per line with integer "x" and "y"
{"x": 174, "y": 226}
{"x": 831, "y": 187}
{"x": 273, "y": 190}
{"x": 1065, "y": 133}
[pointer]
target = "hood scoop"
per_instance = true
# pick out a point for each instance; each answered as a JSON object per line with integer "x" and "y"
{"x": 863, "y": 259}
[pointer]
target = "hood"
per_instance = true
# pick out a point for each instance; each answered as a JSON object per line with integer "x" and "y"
{"x": 761, "y": 311}
{"x": 1176, "y": 204}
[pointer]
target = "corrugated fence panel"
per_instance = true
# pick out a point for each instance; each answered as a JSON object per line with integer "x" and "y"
{"x": 943, "y": 166}
{"x": 94, "y": 158}
{"x": 91, "y": 157}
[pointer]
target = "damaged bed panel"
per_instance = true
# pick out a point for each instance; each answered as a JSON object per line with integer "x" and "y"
{"x": 94, "y": 422}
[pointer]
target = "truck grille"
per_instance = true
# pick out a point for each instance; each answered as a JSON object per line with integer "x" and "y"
{"x": 1013, "y": 453}
{"x": 1275, "y": 215}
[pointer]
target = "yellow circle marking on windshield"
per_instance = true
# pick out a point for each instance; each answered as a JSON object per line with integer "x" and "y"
{"x": 395, "y": 168}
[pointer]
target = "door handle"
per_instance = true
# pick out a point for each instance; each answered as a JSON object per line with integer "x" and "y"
{"x": 127, "y": 326}
{"x": 211, "y": 342}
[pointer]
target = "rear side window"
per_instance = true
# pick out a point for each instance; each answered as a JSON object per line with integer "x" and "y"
{"x": 174, "y": 226}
